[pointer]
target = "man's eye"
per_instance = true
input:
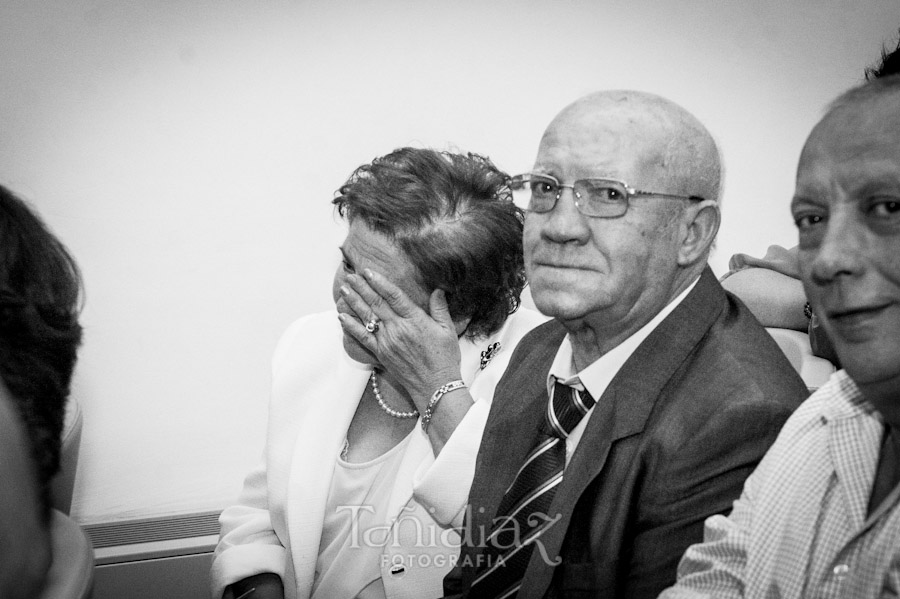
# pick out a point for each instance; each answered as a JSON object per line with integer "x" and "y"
{"x": 347, "y": 266}
{"x": 600, "y": 191}
{"x": 805, "y": 221}
{"x": 543, "y": 188}
{"x": 884, "y": 207}
{"x": 608, "y": 194}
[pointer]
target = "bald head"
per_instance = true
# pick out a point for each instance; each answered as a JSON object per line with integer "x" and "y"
{"x": 663, "y": 140}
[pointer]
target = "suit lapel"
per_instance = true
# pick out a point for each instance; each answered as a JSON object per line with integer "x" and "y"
{"x": 512, "y": 429}
{"x": 624, "y": 408}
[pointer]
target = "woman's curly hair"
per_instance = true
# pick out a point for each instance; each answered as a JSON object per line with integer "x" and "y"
{"x": 453, "y": 217}
{"x": 40, "y": 295}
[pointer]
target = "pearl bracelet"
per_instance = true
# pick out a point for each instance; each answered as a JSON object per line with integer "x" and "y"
{"x": 436, "y": 397}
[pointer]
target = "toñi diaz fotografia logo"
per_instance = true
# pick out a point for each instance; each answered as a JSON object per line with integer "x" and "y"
{"x": 410, "y": 532}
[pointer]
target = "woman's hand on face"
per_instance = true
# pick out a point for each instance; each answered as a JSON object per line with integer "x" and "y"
{"x": 418, "y": 348}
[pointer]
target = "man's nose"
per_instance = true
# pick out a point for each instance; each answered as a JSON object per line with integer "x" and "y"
{"x": 839, "y": 253}
{"x": 565, "y": 222}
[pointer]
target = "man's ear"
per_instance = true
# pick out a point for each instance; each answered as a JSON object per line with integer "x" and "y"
{"x": 701, "y": 223}
{"x": 461, "y": 325}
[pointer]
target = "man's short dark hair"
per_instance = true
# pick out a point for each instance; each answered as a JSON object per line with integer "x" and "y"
{"x": 40, "y": 295}
{"x": 453, "y": 217}
{"x": 889, "y": 65}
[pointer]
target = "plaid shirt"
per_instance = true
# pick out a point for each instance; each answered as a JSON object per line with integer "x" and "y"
{"x": 800, "y": 527}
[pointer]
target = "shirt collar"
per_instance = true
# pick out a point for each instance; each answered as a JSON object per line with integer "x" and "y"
{"x": 597, "y": 376}
{"x": 851, "y": 402}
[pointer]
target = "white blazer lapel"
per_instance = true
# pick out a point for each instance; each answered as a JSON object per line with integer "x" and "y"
{"x": 333, "y": 400}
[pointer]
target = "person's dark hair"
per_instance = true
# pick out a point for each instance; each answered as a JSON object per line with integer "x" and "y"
{"x": 889, "y": 64}
{"x": 453, "y": 217}
{"x": 40, "y": 296}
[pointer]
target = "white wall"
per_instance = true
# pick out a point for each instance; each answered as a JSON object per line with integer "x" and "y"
{"x": 187, "y": 153}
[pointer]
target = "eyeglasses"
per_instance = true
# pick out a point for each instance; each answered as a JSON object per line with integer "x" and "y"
{"x": 603, "y": 198}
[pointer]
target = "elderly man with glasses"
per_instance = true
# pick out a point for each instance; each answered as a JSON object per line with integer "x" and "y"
{"x": 639, "y": 410}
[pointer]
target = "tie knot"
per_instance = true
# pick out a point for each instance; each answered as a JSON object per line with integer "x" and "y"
{"x": 566, "y": 409}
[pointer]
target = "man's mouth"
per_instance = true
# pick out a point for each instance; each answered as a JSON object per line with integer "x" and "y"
{"x": 852, "y": 316}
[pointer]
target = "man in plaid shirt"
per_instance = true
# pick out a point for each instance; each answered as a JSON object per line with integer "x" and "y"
{"x": 820, "y": 516}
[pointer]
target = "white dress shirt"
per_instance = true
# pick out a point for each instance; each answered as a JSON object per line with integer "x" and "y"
{"x": 597, "y": 377}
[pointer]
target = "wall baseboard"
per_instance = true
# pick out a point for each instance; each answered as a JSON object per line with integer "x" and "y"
{"x": 148, "y": 530}
{"x": 153, "y": 558}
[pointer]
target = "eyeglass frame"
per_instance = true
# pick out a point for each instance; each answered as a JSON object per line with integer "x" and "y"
{"x": 629, "y": 193}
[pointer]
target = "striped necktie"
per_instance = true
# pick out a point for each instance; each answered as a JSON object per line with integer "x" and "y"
{"x": 523, "y": 514}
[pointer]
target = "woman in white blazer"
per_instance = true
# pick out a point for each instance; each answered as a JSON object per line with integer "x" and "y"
{"x": 377, "y": 409}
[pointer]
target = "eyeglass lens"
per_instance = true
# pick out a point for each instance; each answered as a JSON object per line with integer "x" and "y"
{"x": 594, "y": 197}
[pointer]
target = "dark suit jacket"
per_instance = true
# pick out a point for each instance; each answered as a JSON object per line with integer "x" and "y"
{"x": 669, "y": 443}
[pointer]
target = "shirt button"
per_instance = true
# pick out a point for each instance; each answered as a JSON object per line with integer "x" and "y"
{"x": 841, "y": 570}
{"x": 398, "y": 570}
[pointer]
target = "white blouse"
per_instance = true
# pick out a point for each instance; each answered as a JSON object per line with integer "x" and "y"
{"x": 356, "y": 527}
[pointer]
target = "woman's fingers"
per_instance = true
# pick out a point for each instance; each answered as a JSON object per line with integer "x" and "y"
{"x": 389, "y": 294}
{"x": 365, "y": 301}
{"x": 440, "y": 311}
{"x": 358, "y": 331}
{"x": 363, "y": 309}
